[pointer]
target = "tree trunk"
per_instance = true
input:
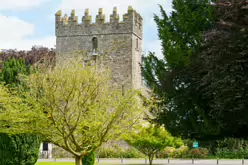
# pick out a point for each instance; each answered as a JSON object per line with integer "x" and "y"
{"x": 78, "y": 160}
{"x": 150, "y": 157}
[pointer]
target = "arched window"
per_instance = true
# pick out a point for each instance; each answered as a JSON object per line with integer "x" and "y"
{"x": 94, "y": 44}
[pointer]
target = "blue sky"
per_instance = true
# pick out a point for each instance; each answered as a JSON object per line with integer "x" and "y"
{"x": 24, "y": 23}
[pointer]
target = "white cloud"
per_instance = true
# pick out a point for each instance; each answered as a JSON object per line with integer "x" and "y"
{"x": 20, "y": 4}
{"x": 26, "y": 44}
{"x": 13, "y": 28}
{"x": 14, "y": 33}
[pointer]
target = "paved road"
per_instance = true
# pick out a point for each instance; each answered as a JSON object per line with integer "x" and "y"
{"x": 156, "y": 162}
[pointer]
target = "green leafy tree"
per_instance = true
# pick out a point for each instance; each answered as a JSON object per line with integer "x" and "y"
{"x": 73, "y": 107}
{"x": 181, "y": 36}
{"x": 21, "y": 148}
{"x": 12, "y": 69}
{"x": 218, "y": 73}
{"x": 204, "y": 99}
{"x": 150, "y": 140}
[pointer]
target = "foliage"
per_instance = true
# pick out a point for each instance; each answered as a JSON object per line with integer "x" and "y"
{"x": 58, "y": 152}
{"x": 167, "y": 152}
{"x": 21, "y": 149}
{"x": 89, "y": 159}
{"x": 74, "y": 107}
{"x": 198, "y": 153}
{"x": 151, "y": 139}
{"x": 180, "y": 34}
{"x": 34, "y": 56}
{"x": 181, "y": 152}
{"x": 218, "y": 74}
{"x": 110, "y": 152}
{"x": 184, "y": 152}
{"x": 54, "y": 163}
{"x": 12, "y": 69}
{"x": 202, "y": 86}
{"x": 232, "y": 148}
{"x": 232, "y": 143}
{"x": 15, "y": 148}
{"x": 231, "y": 154}
{"x": 10, "y": 101}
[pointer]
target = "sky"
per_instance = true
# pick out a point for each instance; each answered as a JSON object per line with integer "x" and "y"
{"x": 25, "y": 23}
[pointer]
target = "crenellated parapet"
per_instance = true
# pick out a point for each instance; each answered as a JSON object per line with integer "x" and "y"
{"x": 87, "y": 19}
{"x": 115, "y": 17}
{"x": 100, "y": 18}
{"x": 69, "y": 26}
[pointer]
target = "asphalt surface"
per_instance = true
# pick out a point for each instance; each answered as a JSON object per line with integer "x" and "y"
{"x": 156, "y": 161}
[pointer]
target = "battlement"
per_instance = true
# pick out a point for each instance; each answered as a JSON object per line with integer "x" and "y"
{"x": 69, "y": 26}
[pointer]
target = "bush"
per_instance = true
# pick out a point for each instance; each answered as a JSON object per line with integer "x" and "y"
{"x": 198, "y": 153}
{"x": 108, "y": 153}
{"x": 173, "y": 152}
{"x": 22, "y": 149}
{"x": 89, "y": 159}
{"x": 232, "y": 148}
{"x": 232, "y": 154}
{"x": 59, "y": 152}
{"x": 117, "y": 153}
{"x": 132, "y": 153}
{"x": 181, "y": 152}
{"x": 167, "y": 152}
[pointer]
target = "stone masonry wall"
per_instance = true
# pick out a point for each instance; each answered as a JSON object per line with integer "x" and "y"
{"x": 119, "y": 42}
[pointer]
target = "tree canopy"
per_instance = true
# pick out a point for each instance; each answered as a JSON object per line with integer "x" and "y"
{"x": 73, "y": 107}
{"x": 12, "y": 70}
{"x": 202, "y": 85}
{"x": 150, "y": 139}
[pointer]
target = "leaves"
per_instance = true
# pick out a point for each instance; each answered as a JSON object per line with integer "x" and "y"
{"x": 73, "y": 107}
{"x": 204, "y": 84}
{"x": 180, "y": 34}
{"x": 150, "y": 139}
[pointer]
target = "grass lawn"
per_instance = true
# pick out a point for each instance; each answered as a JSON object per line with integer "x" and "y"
{"x": 55, "y": 163}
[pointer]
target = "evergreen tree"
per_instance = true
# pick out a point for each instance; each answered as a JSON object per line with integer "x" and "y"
{"x": 180, "y": 34}
{"x": 203, "y": 87}
{"x": 12, "y": 70}
{"x": 22, "y": 149}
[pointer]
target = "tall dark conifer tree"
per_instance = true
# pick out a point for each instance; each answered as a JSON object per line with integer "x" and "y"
{"x": 181, "y": 36}
{"x": 202, "y": 79}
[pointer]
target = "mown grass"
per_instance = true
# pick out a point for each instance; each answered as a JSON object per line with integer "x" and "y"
{"x": 55, "y": 163}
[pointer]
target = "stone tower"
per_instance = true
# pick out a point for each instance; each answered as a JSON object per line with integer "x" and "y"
{"x": 119, "y": 42}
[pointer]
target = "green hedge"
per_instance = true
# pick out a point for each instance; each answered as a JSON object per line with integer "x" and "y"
{"x": 118, "y": 153}
{"x": 20, "y": 149}
{"x": 232, "y": 154}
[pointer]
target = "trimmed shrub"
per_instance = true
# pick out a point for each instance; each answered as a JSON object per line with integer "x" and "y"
{"x": 181, "y": 152}
{"x": 108, "y": 153}
{"x": 132, "y": 153}
{"x": 198, "y": 153}
{"x": 21, "y": 149}
{"x": 118, "y": 152}
{"x": 232, "y": 154}
{"x": 167, "y": 152}
{"x": 172, "y": 152}
{"x": 89, "y": 159}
